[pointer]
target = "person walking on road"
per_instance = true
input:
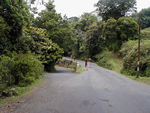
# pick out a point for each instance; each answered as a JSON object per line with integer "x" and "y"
{"x": 86, "y": 61}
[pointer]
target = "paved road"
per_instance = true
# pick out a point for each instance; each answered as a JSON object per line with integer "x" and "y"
{"x": 94, "y": 91}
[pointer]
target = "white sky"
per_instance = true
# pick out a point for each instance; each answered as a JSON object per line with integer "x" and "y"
{"x": 78, "y": 7}
{"x": 74, "y": 7}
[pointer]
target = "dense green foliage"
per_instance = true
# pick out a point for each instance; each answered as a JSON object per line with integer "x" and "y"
{"x": 145, "y": 17}
{"x": 87, "y": 35}
{"x": 50, "y": 54}
{"x": 19, "y": 69}
{"x": 115, "y": 8}
{"x": 108, "y": 60}
{"x": 94, "y": 40}
{"x": 21, "y": 36}
{"x": 20, "y": 66}
{"x": 118, "y": 31}
{"x": 129, "y": 54}
{"x": 47, "y": 51}
{"x": 58, "y": 28}
{"x": 102, "y": 60}
{"x": 92, "y": 36}
{"x": 145, "y": 33}
{"x": 111, "y": 35}
{"x": 14, "y": 15}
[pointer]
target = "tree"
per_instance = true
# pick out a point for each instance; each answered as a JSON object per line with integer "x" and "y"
{"x": 59, "y": 30}
{"x": 4, "y": 32}
{"x": 87, "y": 19}
{"x": 47, "y": 51}
{"x": 94, "y": 39}
{"x": 145, "y": 17}
{"x": 129, "y": 53}
{"x": 14, "y": 15}
{"x": 110, "y": 34}
{"x": 118, "y": 31}
{"x": 127, "y": 28}
{"x": 81, "y": 26}
{"x": 73, "y": 20}
{"x": 36, "y": 41}
{"x": 50, "y": 53}
{"x": 115, "y": 8}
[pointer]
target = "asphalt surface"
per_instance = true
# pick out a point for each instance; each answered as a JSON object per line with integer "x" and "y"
{"x": 96, "y": 90}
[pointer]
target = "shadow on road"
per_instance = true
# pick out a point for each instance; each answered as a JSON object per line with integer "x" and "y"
{"x": 62, "y": 70}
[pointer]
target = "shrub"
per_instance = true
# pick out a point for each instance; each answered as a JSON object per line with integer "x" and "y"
{"x": 19, "y": 69}
{"x": 145, "y": 33}
{"x": 47, "y": 51}
{"x": 130, "y": 57}
{"x": 6, "y": 67}
{"x": 14, "y": 15}
{"x": 103, "y": 60}
{"x": 116, "y": 32}
{"x": 110, "y": 34}
{"x": 50, "y": 53}
{"x": 27, "y": 68}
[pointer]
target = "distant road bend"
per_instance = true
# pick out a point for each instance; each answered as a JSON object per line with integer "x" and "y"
{"x": 97, "y": 90}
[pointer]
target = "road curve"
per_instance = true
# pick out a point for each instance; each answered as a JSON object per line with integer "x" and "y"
{"x": 96, "y": 90}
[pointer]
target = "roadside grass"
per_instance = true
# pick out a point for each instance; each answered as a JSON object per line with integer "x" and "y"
{"x": 110, "y": 61}
{"x": 145, "y": 80}
{"x": 116, "y": 64}
{"x": 80, "y": 69}
{"x": 145, "y": 33}
{"x": 21, "y": 92}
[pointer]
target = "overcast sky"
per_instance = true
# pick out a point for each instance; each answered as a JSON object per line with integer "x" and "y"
{"x": 78, "y": 7}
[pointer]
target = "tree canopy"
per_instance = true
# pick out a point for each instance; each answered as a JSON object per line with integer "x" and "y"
{"x": 59, "y": 29}
{"x": 118, "y": 31}
{"x": 145, "y": 17}
{"x": 14, "y": 15}
{"x": 115, "y": 8}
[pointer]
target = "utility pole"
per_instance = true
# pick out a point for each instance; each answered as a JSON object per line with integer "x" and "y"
{"x": 139, "y": 52}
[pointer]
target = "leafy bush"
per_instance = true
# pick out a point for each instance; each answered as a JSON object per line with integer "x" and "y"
{"x": 47, "y": 51}
{"x": 130, "y": 57}
{"x": 9, "y": 92}
{"x": 58, "y": 29}
{"x": 27, "y": 68}
{"x": 110, "y": 34}
{"x": 14, "y": 15}
{"x": 145, "y": 33}
{"x": 102, "y": 60}
{"x": 109, "y": 60}
{"x": 118, "y": 31}
{"x": 145, "y": 17}
{"x": 6, "y": 67}
{"x": 4, "y": 32}
{"x": 127, "y": 28}
{"x": 19, "y": 69}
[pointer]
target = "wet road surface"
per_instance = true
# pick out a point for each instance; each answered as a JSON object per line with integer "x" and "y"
{"x": 96, "y": 90}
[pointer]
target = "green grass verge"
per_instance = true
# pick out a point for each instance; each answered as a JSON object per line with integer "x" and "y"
{"x": 145, "y": 33}
{"x": 145, "y": 80}
{"x": 80, "y": 69}
{"x": 115, "y": 62}
{"x": 112, "y": 62}
{"x": 21, "y": 92}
